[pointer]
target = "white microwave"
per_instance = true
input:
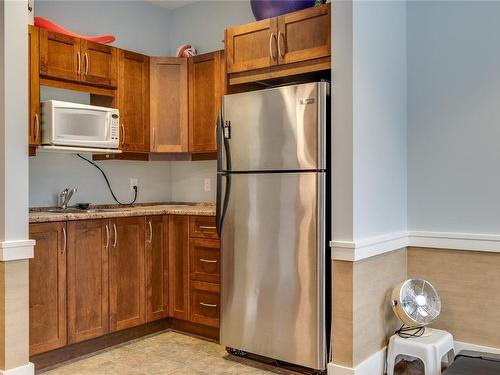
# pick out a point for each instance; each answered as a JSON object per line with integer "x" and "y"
{"x": 79, "y": 125}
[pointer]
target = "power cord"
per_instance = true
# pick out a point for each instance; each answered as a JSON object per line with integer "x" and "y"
{"x": 408, "y": 332}
{"x": 109, "y": 185}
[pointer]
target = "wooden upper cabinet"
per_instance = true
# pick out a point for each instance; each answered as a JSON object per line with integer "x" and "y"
{"x": 34, "y": 133}
{"x": 60, "y": 56}
{"x": 178, "y": 242}
{"x": 252, "y": 46}
{"x": 169, "y": 104}
{"x": 99, "y": 64}
{"x": 47, "y": 288}
{"x": 133, "y": 101}
{"x": 69, "y": 58}
{"x": 206, "y": 87}
{"x": 157, "y": 267}
{"x": 87, "y": 273}
{"x": 304, "y": 35}
{"x": 126, "y": 269}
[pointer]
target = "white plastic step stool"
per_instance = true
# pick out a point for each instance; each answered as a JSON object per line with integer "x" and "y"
{"x": 429, "y": 349}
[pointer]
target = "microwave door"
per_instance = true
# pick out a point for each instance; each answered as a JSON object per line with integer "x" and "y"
{"x": 81, "y": 127}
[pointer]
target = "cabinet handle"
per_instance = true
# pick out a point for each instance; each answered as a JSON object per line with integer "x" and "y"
{"x": 150, "y": 231}
{"x": 205, "y": 227}
{"x": 154, "y": 138}
{"x": 86, "y": 57}
{"x": 271, "y": 49}
{"x": 107, "y": 236}
{"x": 281, "y": 36}
{"x": 65, "y": 240}
{"x": 116, "y": 236}
{"x": 207, "y": 304}
{"x": 207, "y": 260}
{"x": 123, "y": 132}
{"x": 78, "y": 63}
{"x": 37, "y": 127}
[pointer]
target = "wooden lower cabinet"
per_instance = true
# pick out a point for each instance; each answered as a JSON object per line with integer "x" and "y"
{"x": 87, "y": 269}
{"x": 157, "y": 267}
{"x": 179, "y": 266}
{"x": 93, "y": 277}
{"x": 47, "y": 293}
{"x": 126, "y": 273}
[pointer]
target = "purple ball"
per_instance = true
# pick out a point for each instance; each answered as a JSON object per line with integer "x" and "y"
{"x": 272, "y": 8}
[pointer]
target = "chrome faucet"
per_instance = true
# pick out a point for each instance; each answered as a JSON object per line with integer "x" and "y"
{"x": 64, "y": 197}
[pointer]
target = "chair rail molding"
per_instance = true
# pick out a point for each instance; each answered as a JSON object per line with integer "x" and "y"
{"x": 16, "y": 250}
{"x": 354, "y": 251}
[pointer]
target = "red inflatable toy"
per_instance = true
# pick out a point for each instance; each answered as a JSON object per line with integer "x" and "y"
{"x": 44, "y": 23}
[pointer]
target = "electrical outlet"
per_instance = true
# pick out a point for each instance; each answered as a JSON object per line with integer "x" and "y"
{"x": 207, "y": 185}
{"x": 134, "y": 182}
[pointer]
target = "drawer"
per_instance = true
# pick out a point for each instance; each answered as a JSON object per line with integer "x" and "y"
{"x": 204, "y": 260}
{"x": 205, "y": 303}
{"x": 202, "y": 227}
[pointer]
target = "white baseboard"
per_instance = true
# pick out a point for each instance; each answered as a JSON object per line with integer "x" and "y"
{"x": 354, "y": 251}
{"x": 16, "y": 250}
{"x": 28, "y": 369}
{"x": 375, "y": 364}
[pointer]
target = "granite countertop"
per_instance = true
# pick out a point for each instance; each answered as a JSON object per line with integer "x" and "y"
{"x": 40, "y": 214}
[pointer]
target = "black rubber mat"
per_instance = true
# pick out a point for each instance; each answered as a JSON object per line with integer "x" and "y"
{"x": 474, "y": 363}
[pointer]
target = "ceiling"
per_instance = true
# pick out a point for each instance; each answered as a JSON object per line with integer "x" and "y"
{"x": 173, "y": 4}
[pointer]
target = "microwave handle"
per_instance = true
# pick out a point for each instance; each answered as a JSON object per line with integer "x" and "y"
{"x": 107, "y": 134}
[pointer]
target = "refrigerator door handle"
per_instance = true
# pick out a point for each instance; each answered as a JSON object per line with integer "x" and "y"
{"x": 221, "y": 205}
{"x": 218, "y": 135}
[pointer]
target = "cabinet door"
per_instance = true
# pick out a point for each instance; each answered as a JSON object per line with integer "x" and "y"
{"x": 127, "y": 282}
{"x": 133, "y": 101}
{"x": 169, "y": 100}
{"x": 178, "y": 266}
{"x": 252, "y": 46}
{"x": 60, "y": 56}
{"x": 206, "y": 87}
{"x": 47, "y": 288}
{"x": 88, "y": 313}
{"x": 304, "y": 35}
{"x": 100, "y": 64}
{"x": 34, "y": 136}
{"x": 157, "y": 267}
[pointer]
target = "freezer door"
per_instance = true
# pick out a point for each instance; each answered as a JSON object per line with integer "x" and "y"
{"x": 275, "y": 129}
{"x": 273, "y": 282}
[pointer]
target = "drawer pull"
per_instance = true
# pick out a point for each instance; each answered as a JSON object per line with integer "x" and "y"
{"x": 207, "y": 304}
{"x": 205, "y": 227}
{"x": 207, "y": 260}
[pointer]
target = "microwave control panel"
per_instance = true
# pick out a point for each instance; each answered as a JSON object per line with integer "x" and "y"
{"x": 115, "y": 125}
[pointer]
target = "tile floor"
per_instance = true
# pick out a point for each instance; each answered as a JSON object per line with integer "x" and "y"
{"x": 165, "y": 353}
{"x": 174, "y": 353}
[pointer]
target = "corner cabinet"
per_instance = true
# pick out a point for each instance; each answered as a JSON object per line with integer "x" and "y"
{"x": 133, "y": 101}
{"x": 294, "y": 43}
{"x": 206, "y": 88}
{"x": 169, "y": 109}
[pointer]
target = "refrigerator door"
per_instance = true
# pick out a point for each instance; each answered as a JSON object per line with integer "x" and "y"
{"x": 274, "y": 129}
{"x": 273, "y": 254}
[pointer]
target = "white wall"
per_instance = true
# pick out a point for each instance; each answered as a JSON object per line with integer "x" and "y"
{"x": 379, "y": 118}
{"x": 454, "y": 116}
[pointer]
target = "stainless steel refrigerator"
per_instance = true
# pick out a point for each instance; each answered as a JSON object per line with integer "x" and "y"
{"x": 272, "y": 184}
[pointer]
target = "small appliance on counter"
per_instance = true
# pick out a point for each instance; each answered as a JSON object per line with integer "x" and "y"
{"x": 74, "y": 127}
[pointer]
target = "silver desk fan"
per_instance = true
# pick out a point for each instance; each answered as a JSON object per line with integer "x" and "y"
{"x": 417, "y": 304}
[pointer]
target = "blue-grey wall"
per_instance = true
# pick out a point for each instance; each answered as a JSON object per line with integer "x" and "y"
{"x": 454, "y": 116}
